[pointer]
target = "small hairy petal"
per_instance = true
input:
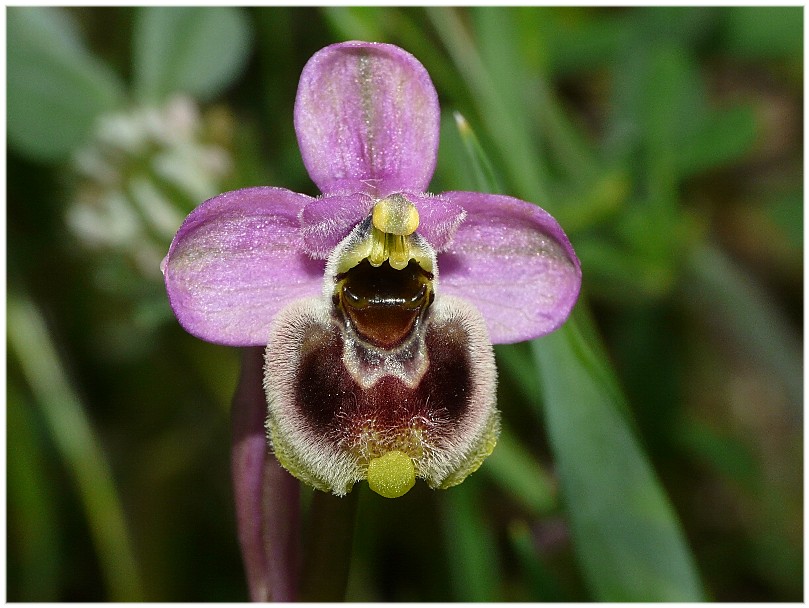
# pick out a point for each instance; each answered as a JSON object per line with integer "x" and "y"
{"x": 236, "y": 261}
{"x": 367, "y": 119}
{"x": 439, "y": 219}
{"x": 326, "y": 221}
{"x": 514, "y": 263}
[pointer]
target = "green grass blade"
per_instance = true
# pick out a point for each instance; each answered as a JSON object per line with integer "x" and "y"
{"x": 526, "y": 170}
{"x": 741, "y": 307}
{"x": 36, "y": 554}
{"x": 73, "y": 435}
{"x": 514, "y": 469}
{"x": 485, "y": 179}
{"x": 627, "y": 537}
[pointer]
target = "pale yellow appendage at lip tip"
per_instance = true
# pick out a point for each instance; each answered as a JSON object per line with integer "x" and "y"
{"x": 392, "y": 474}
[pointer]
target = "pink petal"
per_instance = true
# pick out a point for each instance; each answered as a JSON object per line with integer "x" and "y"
{"x": 514, "y": 263}
{"x": 367, "y": 119}
{"x": 236, "y": 261}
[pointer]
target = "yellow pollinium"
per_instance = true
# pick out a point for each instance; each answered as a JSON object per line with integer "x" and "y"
{"x": 392, "y": 474}
{"x": 395, "y": 214}
{"x": 394, "y": 218}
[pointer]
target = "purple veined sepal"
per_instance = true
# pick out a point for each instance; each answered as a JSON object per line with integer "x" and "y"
{"x": 351, "y": 397}
{"x": 237, "y": 260}
{"x": 514, "y": 263}
{"x": 367, "y": 119}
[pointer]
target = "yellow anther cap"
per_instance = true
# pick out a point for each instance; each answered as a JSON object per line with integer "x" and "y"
{"x": 395, "y": 215}
{"x": 391, "y": 475}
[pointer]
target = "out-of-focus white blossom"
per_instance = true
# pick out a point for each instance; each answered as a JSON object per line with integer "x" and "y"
{"x": 141, "y": 173}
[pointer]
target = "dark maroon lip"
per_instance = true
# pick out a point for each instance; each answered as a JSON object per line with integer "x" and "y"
{"x": 335, "y": 405}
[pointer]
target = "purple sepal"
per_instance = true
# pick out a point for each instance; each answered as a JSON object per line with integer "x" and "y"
{"x": 514, "y": 263}
{"x": 367, "y": 119}
{"x": 327, "y": 220}
{"x": 236, "y": 261}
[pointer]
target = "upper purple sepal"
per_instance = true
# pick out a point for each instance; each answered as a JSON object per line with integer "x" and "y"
{"x": 236, "y": 261}
{"x": 514, "y": 263}
{"x": 367, "y": 119}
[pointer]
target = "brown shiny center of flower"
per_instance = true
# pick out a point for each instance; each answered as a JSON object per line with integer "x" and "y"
{"x": 384, "y": 304}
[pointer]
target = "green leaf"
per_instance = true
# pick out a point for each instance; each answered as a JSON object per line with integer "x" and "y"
{"x": 764, "y": 31}
{"x": 193, "y": 50}
{"x": 627, "y": 537}
{"x": 726, "y": 136}
{"x": 673, "y": 108}
{"x": 56, "y": 88}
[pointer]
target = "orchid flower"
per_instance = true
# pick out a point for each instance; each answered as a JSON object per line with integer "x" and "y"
{"x": 377, "y": 302}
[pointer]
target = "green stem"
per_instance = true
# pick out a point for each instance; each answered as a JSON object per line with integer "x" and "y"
{"x": 472, "y": 550}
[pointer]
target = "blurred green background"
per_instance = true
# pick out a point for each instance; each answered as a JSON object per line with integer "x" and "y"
{"x": 666, "y": 141}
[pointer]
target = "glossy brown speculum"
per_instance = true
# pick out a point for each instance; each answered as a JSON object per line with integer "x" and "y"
{"x": 383, "y": 304}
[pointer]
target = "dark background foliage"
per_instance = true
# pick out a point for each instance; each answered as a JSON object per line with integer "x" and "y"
{"x": 668, "y": 143}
